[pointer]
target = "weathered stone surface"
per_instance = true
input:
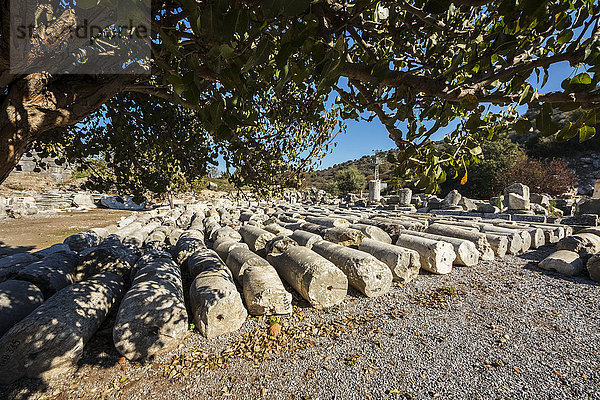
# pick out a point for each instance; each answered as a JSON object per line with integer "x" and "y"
{"x": 17, "y": 300}
{"x": 584, "y": 244}
{"x": 306, "y": 239}
{"x": 487, "y": 208}
{"x": 403, "y": 263}
{"x": 466, "y": 252}
{"x": 224, "y": 245}
{"x": 279, "y": 244}
{"x": 344, "y": 236}
{"x": 329, "y": 222}
{"x": 256, "y": 238}
{"x": 51, "y": 339}
{"x": 82, "y": 200}
{"x": 404, "y": 197}
{"x": 478, "y": 238}
{"x": 278, "y": 230}
{"x": 55, "y": 248}
{"x": 264, "y": 292}
{"x": 11, "y": 265}
{"x": 152, "y": 317}
{"x": 315, "y": 278}
{"x": 539, "y": 198}
{"x": 593, "y": 268}
{"x": 50, "y": 274}
{"x": 189, "y": 241}
{"x": 215, "y": 301}
{"x": 373, "y": 232}
{"x": 365, "y": 273}
{"x": 564, "y": 262}
{"x": 519, "y": 189}
{"x": 515, "y": 239}
{"x": 226, "y": 231}
{"x": 108, "y": 257}
{"x": 588, "y": 206}
{"x": 514, "y": 201}
{"x": 84, "y": 240}
{"x": 435, "y": 256}
{"x": 452, "y": 199}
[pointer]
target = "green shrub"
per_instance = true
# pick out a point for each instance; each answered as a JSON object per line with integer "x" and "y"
{"x": 350, "y": 180}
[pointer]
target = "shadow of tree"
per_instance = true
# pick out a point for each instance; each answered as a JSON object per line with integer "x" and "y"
{"x": 7, "y": 250}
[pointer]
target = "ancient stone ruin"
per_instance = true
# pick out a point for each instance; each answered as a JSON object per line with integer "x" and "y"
{"x": 242, "y": 258}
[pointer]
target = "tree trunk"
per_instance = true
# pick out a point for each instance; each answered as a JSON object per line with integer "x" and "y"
{"x": 39, "y": 102}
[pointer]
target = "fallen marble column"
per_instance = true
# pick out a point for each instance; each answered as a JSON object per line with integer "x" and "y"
{"x": 304, "y": 238}
{"x": 373, "y": 232}
{"x": 50, "y": 274}
{"x": 187, "y": 244}
{"x": 264, "y": 292}
{"x": 435, "y": 256}
{"x": 278, "y": 230}
{"x": 564, "y": 262}
{"x": 315, "y": 278}
{"x": 329, "y": 222}
{"x": 312, "y": 228}
{"x": 158, "y": 235}
{"x": 17, "y": 300}
{"x": 479, "y": 239}
{"x": 197, "y": 224}
{"x": 116, "y": 258}
{"x": 515, "y": 239}
{"x": 127, "y": 220}
{"x": 225, "y": 244}
{"x": 498, "y": 243}
{"x": 226, "y": 232}
{"x": 174, "y": 236}
{"x": 403, "y": 263}
{"x": 11, "y": 265}
{"x": 256, "y": 238}
{"x": 537, "y": 235}
{"x": 211, "y": 227}
{"x": 593, "y": 267}
{"x": 365, "y": 273}
{"x": 279, "y": 244}
{"x": 152, "y": 317}
{"x": 185, "y": 219}
{"x": 215, "y": 301}
{"x": 344, "y": 236}
{"x": 84, "y": 240}
{"x": 138, "y": 237}
{"x": 466, "y": 252}
{"x": 51, "y": 339}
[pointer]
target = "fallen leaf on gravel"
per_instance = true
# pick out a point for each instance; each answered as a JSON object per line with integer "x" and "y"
{"x": 122, "y": 360}
{"x": 517, "y": 369}
{"x": 275, "y": 329}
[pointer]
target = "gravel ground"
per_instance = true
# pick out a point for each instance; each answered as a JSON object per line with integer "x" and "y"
{"x": 500, "y": 330}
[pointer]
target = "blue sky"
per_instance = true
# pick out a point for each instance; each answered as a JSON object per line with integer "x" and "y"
{"x": 362, "y": 137}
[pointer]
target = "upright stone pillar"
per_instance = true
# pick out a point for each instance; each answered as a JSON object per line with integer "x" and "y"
{"x": 374, "y": 191}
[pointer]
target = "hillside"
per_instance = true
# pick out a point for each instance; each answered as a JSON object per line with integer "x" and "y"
{"x": 366, "y": 165}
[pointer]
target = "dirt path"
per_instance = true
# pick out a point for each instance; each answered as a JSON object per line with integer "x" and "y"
{"x": 39, "y": 232}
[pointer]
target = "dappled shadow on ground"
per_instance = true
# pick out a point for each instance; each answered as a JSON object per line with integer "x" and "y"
{"x": 7, "y": 250}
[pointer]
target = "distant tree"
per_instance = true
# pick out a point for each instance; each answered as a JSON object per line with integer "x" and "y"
{"x": 350, "y": 180}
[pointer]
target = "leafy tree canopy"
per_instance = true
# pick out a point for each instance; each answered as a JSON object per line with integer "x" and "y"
{"x": 257, "y": 76}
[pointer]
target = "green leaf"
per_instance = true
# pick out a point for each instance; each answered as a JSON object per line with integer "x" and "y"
{"x": 522, "y": 126}
{"x": 566, "y": 133}
{"x": 564, "y": 37}
{"x": 475, "y": 151}
{"x": 586, "y": 132}
{"x": 583, "y": 79}
{"x": 226, "y": 51}
{"x": 526, "y": 95}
